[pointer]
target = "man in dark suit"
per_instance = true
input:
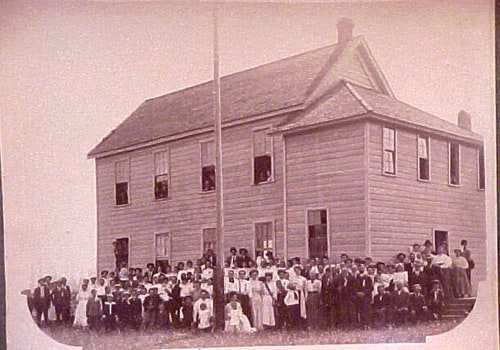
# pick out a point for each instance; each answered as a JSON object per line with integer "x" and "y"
{"x": 210, "y": 256}
{"x": 61, "y": 298}
{"x": 41, "y": 301}
{"x": 243, "y": 258}
{"x": 418, "y": 306}
{"x": 400, "y": 304}
{"x": 232, "y": 260}
{"x": 419, "y": 276}
{"x": 381, "y": 306}
{"x": 346, "y": 299}
{"x": 363, "y": 289}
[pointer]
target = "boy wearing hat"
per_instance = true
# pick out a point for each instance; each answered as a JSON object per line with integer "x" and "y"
{"x": 418, "y": 306}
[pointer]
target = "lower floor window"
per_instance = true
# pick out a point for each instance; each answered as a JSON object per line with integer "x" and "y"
{"x": 209, "y": 239}
{"x": 263, "y": 238}
{"x": 317, "y": 224}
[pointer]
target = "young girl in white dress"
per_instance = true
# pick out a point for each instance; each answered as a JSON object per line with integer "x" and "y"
{"x": 81, "y": 309}
{"x": 235, "y": 320}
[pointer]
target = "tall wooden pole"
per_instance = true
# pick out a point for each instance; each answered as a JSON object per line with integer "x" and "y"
{"x": 219, "y": 283}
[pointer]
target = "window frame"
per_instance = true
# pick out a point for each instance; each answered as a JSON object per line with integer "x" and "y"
{"x": 201, "y": 166}
{"x": 328, "y": 241}
{"x": 168, "y": 257}
{"x": 252, "y": 161}
{"x": 428, "y": 139}
{"x": 129, "y": 237}
{"x": 448, "y": 235}
{"x": 169, "y": 183}
{"x": 481, "y": 167}
{"x": 459, "y": 164}
{"x": 273, "y": 235}
{"x": 202, "y": 247}
{"x": 129, "y": 202}
{"x": 394, "y": 152}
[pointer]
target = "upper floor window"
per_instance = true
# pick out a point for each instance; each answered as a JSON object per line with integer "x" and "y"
{"x": 161, "y": 164}
{"x": 262, "y": 157}
{"x": 122, "y": 180}
{"x": 480, "y": 166}
{"x": 389, "y": 156}
{"x": 208, "y": 166}
{"x": 423, "y": 158}
{"x": 454, "y": 163}
{"x": 317, "y": 225}
{"x": 263, "y": 238}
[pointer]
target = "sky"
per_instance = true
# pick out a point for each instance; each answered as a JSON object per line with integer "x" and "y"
{"x": 70, "y": 72}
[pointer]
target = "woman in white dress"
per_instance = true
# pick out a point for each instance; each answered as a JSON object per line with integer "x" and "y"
{"x": 255, "y": 293}
{"x": 269, "y": 297}
{"x": 81, "y": 309}
{"x": 235, "y": 320}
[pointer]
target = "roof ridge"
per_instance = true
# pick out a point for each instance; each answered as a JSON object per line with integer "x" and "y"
{"x": 280, "y": 60}
{"x": 357, "y": 96}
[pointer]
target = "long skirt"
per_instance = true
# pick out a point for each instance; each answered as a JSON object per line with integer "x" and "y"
{"x": 313, "y": 310}
{"x": 81, "y": 314}
{"x": 462, "y": 285}
{"x": 257, "y": 315}
{"x": 268, "y": 318}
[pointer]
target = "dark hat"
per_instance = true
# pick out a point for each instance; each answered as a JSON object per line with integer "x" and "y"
{"x": 150, "y": 265}
{"x": 401, "y": 254}
{"x": 233, "y": 249}
{"x": 427, "y": 242}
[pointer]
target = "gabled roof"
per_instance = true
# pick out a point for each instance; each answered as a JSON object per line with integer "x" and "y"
{"x": 349, "y": 100}
{"x": 274, "y": 86}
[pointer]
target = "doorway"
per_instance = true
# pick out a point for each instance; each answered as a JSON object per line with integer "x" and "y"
{"x": 441, "y": 238}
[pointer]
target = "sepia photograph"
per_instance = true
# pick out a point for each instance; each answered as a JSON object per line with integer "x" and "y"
{"x": 240, "y": 174}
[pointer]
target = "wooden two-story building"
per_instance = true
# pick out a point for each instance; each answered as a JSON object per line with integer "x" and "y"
{"x": 319, "y": 157}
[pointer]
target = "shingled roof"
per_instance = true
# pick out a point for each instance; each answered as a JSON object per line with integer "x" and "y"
{"x": 270, "y": 87}
{"x": 350, "y": 100}
{"x": 289, "y": 83}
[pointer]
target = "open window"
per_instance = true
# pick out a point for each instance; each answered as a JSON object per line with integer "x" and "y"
{"x": 209, "y": 239}
{"x": 454, "y": 163}
{"x": 262, "y": 157}
{"x": 162, "y": 249}
{"x": 423, "y": 158}
{"x": 161, "y": 164}
{"x": 264, "y": 238}
{"x": 122, "y": 180}
{"x": 480, "y": 167}
{"x": 208, "y": 166}
{"x": 121, "y": 252}
{"x": 389, "y": 155}
{"x": 317, "y": 224}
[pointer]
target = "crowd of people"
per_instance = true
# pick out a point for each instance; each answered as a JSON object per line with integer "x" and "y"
{"x": 264, "y": 294}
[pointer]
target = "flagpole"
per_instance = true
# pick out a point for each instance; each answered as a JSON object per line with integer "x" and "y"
{"x": 219, "y": 299}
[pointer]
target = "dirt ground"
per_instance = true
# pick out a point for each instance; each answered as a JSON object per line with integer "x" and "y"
{"x": 159, "y": 339}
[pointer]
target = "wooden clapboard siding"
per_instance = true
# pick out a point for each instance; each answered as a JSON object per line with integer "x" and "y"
{"x": 325, "y": 169}
{"x": 404, "y": 210}
{"x": 188, "y": 210}
{"x": 183, "y": 215}
{"x": 245, "y": 203}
